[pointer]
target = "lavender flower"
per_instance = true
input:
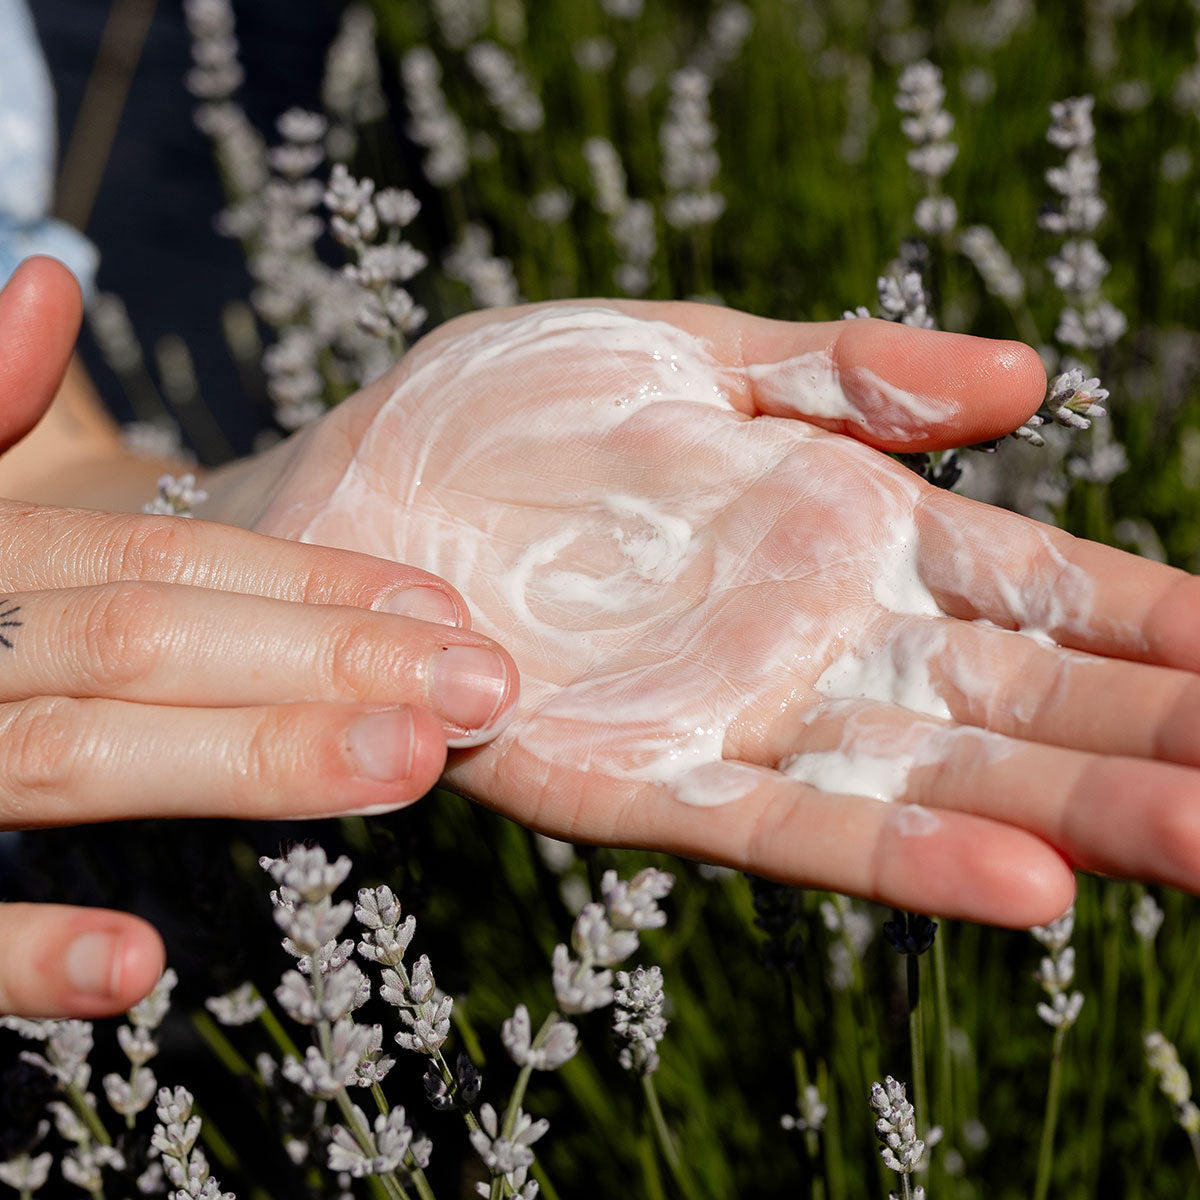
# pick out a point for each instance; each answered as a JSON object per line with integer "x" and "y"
{"x": 638, "y": 1023}
{"x": 690, "y": 161}
{"x": 432, "y": 124}
{"x": 811, "y": 1112}
{"x": 928, "y": 126}
{"x": 25, "y": 1174}
{"x": 509, "y": 91}
{"x": 1173, "y": 1081}
{"x": 396, "y": 1148}
{"x": 175, "y": 1139}
{"x": 238, "y": 1007}
{"x": 995, "y": 265}
{"x": 177, "y": 497}
{"x": 1146, "y": 917}
{"x": 902, "y": 1151}
{"x": 507, "y": 1154}
{"x": 1056, "y": 972}
{"x": 555, "y": 1047}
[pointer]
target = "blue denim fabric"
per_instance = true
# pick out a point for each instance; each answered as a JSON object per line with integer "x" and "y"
{"x": 27, "y": 149}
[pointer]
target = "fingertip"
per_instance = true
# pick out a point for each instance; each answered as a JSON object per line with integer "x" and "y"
{"x": 139, "y": 963}
{"x": 939, "y": 389}
{"x": 974, "y": 869}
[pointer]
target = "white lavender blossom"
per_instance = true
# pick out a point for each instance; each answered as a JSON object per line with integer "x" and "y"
{"x": 810, "y": 1112}
{"x": 902, "y": 1151}
{"x": 507, "y": 1154}
{"x": 489, "y": 277}
{"x": 238, "y": 1007}
{"x": 1146, "y": 917}
{"x": 83, "y": 1166}
{"x": 903, "y": 298}
{"x": 555, "y": 1047}
{"x": 578, "y": 986}
{"x": 1056, "y": 972}
{"x": 510, "y": 92}
{"x": 177, "y": 497}
{"x": 995, "y": 265}
{"x": 393, "y": 1148}
{"x": 638, "y": 1023}
{"x": 1074, "y": 400}
{"x": 690, "y": 161}
{"x": 633, "y": 904}
{"x": 432, "y": 124}
{"x": 460, "y": 21}
{"x": 25, "y": 1174}
{"x": 350, "y": 88}
{"x": 928, "y": 126}
{"x": 1173, "y": 1080}
{"x": 67, "y": 1043}
{"x": 175, "y": 1139}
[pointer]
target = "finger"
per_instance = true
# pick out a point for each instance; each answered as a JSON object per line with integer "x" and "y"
{"x": 57, "y": 961}
{"x": 982, "y": 562}
{"x": 162, "y": 644}
{"x": 1104, "y": 813}
{"x": 67, "y": 761}
{"x": 1019, "y": 686}
{"x": 58, "y": 547}
{"x": 895, "y": 387}
{"x": 40, "y": 312}
{"x": 755, "y": 819}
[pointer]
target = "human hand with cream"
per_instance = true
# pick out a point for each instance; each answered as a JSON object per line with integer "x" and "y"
{"x": 745, "y": 634}
{"x": 157, "y": 666}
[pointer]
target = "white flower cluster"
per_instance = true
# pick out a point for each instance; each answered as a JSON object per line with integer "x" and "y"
{"x": 995, "y": 265}
{"x": 389, "y": 1147}
{"x": 810, "y": 1114}
{"x": 1087, "y": 322}
{"x": 350, "y": 88}
{"x": 509, "y": 92}
{"x": 896, "y": 1127}
{"x": 177, "y": 497}
{"x": 380, "y": 268}
{"x": 175, "y": 1139}
{"x": 1056, "y": 972}
{"x": 638, "y": 1023}
{"x": 505, "y": 1150}
{"x": 606, "y": 934}
{"x": 928, "y": 126}
{"x": 432, "y": 124}
{"x": 489, "y": 277}
{"x": 130, "y": 1096}
{"x": 1173, "y": 1080}
{"x": 460, "y": 22}
{"x": 631, "y": 223}
{"x": 237, "y": 1007}
{"x": 903, "y": 298}
{"x": 1146, "y": 917}
{"x": 854, "y": 929}
{"x": 690, "y": 161}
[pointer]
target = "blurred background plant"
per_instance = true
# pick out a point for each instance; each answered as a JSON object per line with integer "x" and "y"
{"x": 982, "y": 165}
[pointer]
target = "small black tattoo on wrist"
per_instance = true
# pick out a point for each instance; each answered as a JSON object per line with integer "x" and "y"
{"x": 7, "y": 622}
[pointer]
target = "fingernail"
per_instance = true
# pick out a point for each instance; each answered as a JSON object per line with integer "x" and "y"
{"x": 93, "y": 965}
{"x": 425, "y": 604}
{"x": 381, "y": 744}
{"x": 469, "y": 685}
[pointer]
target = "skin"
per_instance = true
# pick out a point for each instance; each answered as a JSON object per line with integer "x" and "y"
{"x": 200, "y": 660}
{"x": 1026, "y": 779}
{"x": 492, "y": 454}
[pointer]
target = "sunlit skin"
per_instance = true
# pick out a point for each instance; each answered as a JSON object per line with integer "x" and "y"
{"x": 673, "y": 580}
{"x": 491, "y": 456}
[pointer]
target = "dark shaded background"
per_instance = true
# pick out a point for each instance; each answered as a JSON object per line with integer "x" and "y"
{"x": 153, "y": 216}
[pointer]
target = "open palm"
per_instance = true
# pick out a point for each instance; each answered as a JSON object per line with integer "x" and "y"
{"x": 744, "y": 633}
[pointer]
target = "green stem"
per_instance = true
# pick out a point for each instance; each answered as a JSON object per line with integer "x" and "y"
{"x": 676, "y": 1165}
{"x": 1194, "y": 1138}
{"x": 1046, "y": 1149}
{"x": 88, "y": 1115}
{"x": 916, "y": 1037}
{"x": 221, "y": 1046}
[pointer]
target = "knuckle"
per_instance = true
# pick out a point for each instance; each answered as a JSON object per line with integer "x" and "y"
{"x": 351, "y": 660}
{"x": 122, "y": 635}
{"x": 160, "y": 548}
{"x": 39, "y": 748}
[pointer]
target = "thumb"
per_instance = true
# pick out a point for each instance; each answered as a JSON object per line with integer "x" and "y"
{"x": 40, "y": 312}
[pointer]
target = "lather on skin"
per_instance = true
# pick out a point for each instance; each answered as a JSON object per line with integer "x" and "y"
{"x": 737, "y": 623}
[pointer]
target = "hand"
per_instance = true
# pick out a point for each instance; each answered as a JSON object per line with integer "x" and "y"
{"x": 747, "y": 636}
{"x": 156, "y": 666}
